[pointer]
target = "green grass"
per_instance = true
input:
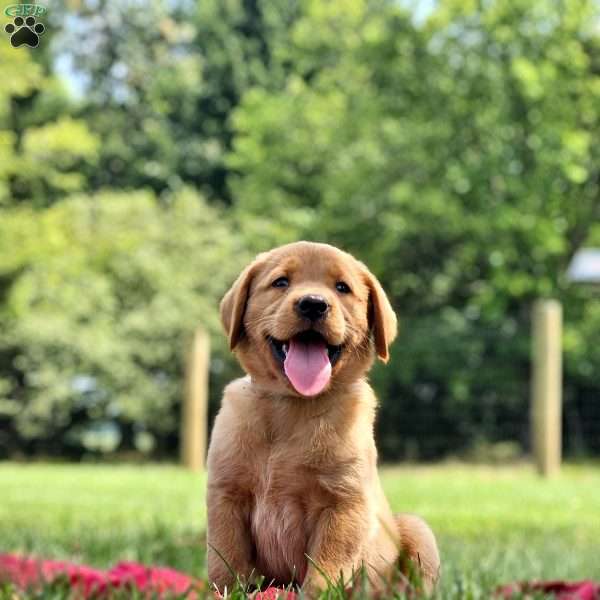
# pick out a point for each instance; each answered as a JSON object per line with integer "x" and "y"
{"x": 494, "y": 525}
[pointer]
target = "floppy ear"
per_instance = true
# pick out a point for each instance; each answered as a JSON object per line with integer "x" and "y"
{"x": 381, "y": 316}
{"x": 233, "y": 305}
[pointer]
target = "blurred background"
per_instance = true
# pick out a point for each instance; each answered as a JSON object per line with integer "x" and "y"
{"x": 149, "y": 150}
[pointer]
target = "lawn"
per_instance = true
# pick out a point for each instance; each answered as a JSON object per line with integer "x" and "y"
{"x": 494, "y": 525}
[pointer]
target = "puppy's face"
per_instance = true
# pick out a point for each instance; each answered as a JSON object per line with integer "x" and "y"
{"x": 306, "y": 317}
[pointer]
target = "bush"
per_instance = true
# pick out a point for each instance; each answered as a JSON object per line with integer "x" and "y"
{"x": 102, "y": 296}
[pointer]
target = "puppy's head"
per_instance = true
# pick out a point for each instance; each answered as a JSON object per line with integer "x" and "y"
{"x": 305, "y": 317}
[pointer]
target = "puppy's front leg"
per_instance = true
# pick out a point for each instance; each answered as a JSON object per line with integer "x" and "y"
{"x": 230, "y": 545}
{"x": 335, "y": 547}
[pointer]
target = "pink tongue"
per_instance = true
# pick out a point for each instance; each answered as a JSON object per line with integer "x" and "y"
{"x": 307, "y": 366}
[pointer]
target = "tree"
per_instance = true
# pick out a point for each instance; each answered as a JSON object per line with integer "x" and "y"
{"x": 108, "y": 289}
{"x": 43, "y": 147}
{"x": 159, "y": 85}
{"x": 456, "y": 160}
{"x": 455, "y": 157}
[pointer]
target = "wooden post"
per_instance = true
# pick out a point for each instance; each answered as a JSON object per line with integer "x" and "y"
{"x": 546, "y": 386}
{"x": 195, "y": 404}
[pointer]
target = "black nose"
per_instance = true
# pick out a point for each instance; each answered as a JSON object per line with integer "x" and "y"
{"x": 312, "y": 307}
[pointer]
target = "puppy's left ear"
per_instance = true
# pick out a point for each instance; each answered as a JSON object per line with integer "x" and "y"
{"x": 233, "y": 304}
{"x": 382, "y": 317}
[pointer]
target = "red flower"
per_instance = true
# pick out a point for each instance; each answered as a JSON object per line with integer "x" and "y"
{"x": 30, "y": 573}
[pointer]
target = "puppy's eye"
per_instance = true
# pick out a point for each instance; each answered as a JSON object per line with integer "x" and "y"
{"x": 342, "y": 287}
{"x": 281, "y": 282}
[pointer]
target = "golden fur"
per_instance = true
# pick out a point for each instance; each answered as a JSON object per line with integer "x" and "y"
{"x": 291, "y": 475}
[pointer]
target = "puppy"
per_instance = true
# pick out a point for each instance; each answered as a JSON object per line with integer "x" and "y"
{"x": 293, "y": 489}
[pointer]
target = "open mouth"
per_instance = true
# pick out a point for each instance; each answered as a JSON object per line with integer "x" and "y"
{"x": 307, "y": 360}
{"x": 281, "y": 348}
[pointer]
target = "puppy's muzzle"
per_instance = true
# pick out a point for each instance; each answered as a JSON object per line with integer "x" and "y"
{"x": 312, "y": 307}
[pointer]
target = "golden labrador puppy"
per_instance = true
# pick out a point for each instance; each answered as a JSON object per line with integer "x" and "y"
{"x": 292, "y": 464}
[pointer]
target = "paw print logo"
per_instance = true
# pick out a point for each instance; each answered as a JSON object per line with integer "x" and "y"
{"x": 24, "y": 32}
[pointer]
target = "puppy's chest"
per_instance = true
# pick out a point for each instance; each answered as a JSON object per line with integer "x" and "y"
{"x": 291, "y": 490}
{"x": 280, "y": 531}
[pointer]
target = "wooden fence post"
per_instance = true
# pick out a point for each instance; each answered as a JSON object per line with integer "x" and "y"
{"x": 195, "y": 404}
{"x": 546, "y": 386}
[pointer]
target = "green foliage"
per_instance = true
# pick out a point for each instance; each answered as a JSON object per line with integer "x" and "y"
{"x": 104, "y": 293}
{"x": 43, "y": 149}
{"x": 456, "y": 160}
{"x": 159, "y": 85}
{"x": 455, "y": 155}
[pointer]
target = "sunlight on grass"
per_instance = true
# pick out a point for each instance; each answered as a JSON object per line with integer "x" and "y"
{"x": 467, "y": 500}
{"x": 494, "y": 525}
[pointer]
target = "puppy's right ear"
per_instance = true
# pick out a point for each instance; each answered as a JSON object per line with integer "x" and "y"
{"x": 233, "y": 305}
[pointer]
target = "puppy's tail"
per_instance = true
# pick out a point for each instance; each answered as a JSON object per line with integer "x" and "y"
{"x": 419, "y": 553}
